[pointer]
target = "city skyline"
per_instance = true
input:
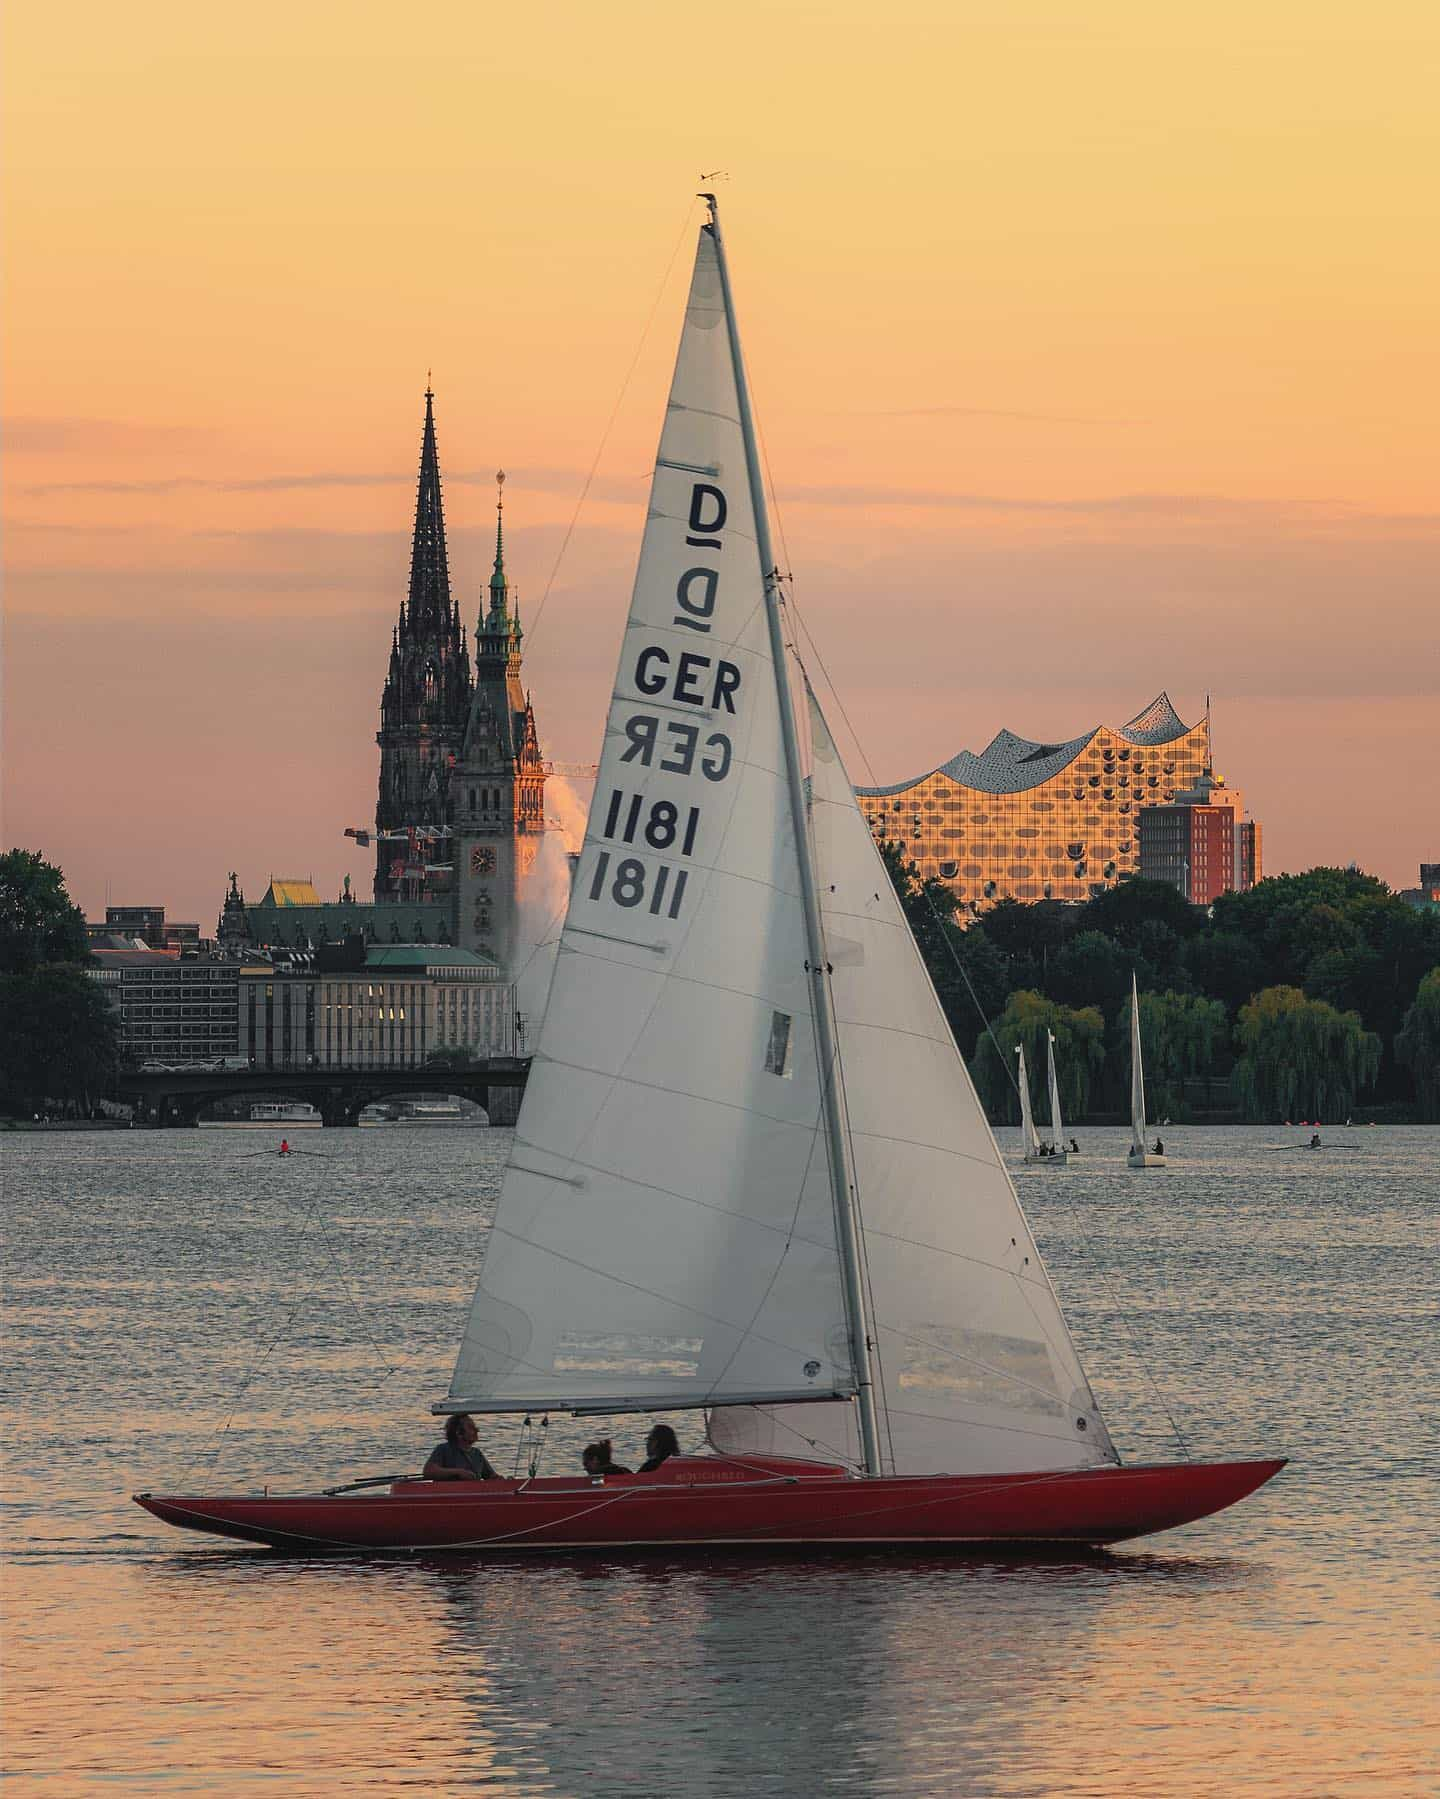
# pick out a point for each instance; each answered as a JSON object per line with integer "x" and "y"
{"x": 1060, "y": 413}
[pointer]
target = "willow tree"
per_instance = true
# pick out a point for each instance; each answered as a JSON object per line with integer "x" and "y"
{"x": 1028, "y": 1016}
{"x": 1181, "y": 1035}
{"x": 1300, "y": 1058}
{"x": 1417, "y": 1045}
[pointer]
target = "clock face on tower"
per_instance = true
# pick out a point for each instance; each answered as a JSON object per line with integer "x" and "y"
{"x": 482, "y": 859}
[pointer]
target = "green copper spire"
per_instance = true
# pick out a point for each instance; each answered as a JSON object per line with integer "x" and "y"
{"x": 499, "y": 586}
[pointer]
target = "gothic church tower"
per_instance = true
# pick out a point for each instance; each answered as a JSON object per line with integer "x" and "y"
{"x": 425, "y": 705}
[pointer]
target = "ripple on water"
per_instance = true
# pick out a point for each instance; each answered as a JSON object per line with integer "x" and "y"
{"x": 174, "y": 1307}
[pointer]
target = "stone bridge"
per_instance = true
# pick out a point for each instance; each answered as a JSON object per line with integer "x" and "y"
{"x": 178, "y": 1096}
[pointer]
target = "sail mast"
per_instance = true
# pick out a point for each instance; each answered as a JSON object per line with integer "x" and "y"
{"x": 1137, "y": 1072}
{"x": 1055, "y": 1126}
{"x": 842, "y": 1184}
{"x": 1027, "y": 1117}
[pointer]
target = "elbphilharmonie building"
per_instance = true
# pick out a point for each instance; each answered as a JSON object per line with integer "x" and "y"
{"x": 1034, "y": 821}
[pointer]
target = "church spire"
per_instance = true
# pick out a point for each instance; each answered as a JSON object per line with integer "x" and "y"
{"x": 429, "y": 601}
{"x": 499, "y": 586}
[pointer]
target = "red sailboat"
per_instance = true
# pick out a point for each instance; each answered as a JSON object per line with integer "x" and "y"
{"x": 750, "y": 1175}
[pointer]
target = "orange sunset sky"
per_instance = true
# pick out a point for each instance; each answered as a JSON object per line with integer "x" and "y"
{"x": 1094, "y": 348}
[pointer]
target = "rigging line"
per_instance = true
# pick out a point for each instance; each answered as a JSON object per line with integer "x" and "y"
{"x": 251, "y": 1374}
{"x": 941, "y": 924}
{"x": 314, "y": 1211}
{"x": 610, "y": 423}
{"x": 263, "y": 1355}
{"x": 772, "y": 1413}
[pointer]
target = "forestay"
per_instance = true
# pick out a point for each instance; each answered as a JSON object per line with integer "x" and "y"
{"x": 977, "y": 1369}
{"x": 665, "y": 1234}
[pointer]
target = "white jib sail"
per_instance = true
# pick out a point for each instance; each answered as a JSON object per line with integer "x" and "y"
{"x": 665, "y": 1234}
{"x": 976, "y": 1367}
{"x": 1056, "y": 1127}
{"x": 1028, "y": 1132}
{"x": 1137, "y": 1074}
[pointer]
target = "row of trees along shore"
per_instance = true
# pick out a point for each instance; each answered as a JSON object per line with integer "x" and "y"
{"x": 1313, "y": 995}
{"x": 57, "y": 1030}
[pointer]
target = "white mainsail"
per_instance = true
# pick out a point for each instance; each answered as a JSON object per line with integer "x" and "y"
{"x": 1137, "y": 1074}
{"x": 977, "y": 1370}
{"x": 1028, "y": 1133}
{"x": 665, "y": 1234}
{"x": 1056, "y": 1127}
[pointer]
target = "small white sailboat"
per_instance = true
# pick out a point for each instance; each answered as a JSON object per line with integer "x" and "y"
{"x": 1029, "y": 1135}
{"x": 1139, "y": 1156}
{"x": 750, "y": 1180}
{"x": 1053, "y": 1153}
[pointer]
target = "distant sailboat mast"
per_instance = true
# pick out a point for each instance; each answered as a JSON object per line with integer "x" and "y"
{"x": 1055, "y": 1125}
{"x": 1027, "y": 1117}
{"x": 837, "y": 1141}
{"x": 1137, "y": 1074}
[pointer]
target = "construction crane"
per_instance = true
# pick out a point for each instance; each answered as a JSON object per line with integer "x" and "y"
{"x": 580, "y": 771}
{"x": 407, "y": 834}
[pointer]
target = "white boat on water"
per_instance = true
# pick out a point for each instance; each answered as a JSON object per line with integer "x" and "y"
{"x": 270, "y": 1115}
{"x": 1139, "y": 1156}
{"x": 425, "y": 1112}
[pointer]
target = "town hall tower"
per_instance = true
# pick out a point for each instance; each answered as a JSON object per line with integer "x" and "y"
{"x": 462, "y": 782}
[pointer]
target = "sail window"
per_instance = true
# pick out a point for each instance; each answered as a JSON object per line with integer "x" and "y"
{"x": 614, "y": 1352}
{"x": 976, "y": 1367}
{"x": 777, "y": 1047}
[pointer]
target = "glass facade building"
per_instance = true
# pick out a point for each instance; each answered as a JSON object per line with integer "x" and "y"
{"x": 1029, "y": 820}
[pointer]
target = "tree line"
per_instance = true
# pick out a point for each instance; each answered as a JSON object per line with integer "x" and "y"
{"x": 58, "y": 1049}
{"x": 1305, "y": 997}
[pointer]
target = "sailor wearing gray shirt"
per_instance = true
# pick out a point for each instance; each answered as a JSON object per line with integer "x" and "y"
{"x": 457, "y": 1458}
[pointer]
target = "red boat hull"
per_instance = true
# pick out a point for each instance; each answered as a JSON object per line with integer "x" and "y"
{"x": 697, "y": 1502}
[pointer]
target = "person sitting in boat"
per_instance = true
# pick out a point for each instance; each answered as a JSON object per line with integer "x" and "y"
{"x": 598, "y": 1460}
{"x": 1159, "y": 1149}
{"x": 457, "y": 1458}
{"x": 660, "y": 1445}
{"x": 1074, "y": 1147}
{"x": 284, "y": 1146}
{"x": 1315, "y": 1141}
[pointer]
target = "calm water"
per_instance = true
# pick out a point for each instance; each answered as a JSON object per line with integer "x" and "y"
{"x": 182, "y": 1311}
